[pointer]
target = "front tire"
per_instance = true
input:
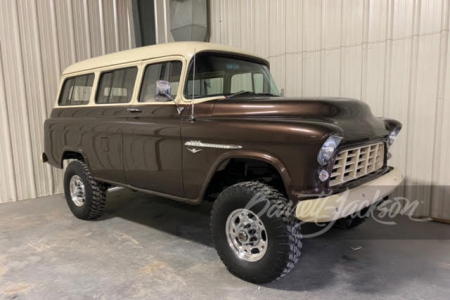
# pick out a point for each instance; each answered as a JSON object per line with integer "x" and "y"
{"x": 85, "y": 196}
{"x": 258, "y": 242}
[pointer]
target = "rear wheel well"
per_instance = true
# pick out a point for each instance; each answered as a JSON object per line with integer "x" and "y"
{"x": 236, "y": 170}
{"x": 71, "y": 155}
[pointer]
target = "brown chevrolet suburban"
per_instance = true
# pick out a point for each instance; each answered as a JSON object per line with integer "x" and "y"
{"x": 199, "y": 121}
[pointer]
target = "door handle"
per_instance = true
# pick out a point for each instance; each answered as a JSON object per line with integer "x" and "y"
{"x": 133, "y": 110}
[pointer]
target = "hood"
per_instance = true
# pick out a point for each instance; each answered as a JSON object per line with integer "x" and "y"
{"x": 352, "y": 118}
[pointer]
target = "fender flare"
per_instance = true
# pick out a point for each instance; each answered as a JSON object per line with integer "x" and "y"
{"x": 256, "y": 155}
{"x": 79, "y": 151}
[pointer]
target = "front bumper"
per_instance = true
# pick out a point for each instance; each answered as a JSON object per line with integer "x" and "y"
{"x": 333, "y": 207}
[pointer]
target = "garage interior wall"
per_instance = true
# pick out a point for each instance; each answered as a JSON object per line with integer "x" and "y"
{"x": 392, "y": 54}
{"x": 38, "y": 40}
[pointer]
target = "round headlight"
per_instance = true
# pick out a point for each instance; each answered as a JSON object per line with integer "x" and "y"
{"x": 391, "y": 137}
{"x": 328, "y": 148}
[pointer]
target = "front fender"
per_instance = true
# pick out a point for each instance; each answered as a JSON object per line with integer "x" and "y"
{"x": 391, "y": 124}
{"x": 290, "y": 146}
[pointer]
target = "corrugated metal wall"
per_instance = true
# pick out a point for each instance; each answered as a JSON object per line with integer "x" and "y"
{"x": 162, "y": 22}
{"x": 393, "y": 54}
{"x": 38, "y": 39}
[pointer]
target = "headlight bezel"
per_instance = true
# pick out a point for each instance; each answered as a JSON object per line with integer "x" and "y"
{"x": 328, "y": 149}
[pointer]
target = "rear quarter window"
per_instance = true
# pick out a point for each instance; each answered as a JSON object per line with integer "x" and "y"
{"x": 76, "y": 90}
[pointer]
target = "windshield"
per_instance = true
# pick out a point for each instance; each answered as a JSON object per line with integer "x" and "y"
{"x": 217, "y": 75}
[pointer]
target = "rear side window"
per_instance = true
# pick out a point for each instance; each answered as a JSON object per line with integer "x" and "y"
{"x": 77, "y": 90}
{"x": 116, "y": 86}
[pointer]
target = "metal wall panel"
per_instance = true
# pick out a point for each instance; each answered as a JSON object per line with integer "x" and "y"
{"x": 392, "y": 54}
{"x": 38, "y": 39}
{"x": 162, "y": 21}
{"x": 14, "y": 85}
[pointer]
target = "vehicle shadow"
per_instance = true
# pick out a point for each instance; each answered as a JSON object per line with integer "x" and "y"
{"x": 366, "y": 265}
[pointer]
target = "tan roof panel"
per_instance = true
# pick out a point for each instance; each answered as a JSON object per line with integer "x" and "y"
{"x": 185, "y": 49}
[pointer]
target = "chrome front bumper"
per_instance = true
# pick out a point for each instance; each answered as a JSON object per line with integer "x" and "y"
{"x": 341, "y": 205}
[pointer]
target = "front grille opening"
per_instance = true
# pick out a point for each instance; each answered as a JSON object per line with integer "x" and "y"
{"x": 357, "y": 162}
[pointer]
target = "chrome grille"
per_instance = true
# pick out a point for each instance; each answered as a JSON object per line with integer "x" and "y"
{"x": 357, "y": 162}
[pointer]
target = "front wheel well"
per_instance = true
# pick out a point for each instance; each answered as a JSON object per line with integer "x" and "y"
{"x": 236, "y": 170}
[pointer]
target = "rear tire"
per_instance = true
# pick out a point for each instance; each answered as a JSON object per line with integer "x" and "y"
{"x": 256, "y": 244}
{"x": 85, "y": 196}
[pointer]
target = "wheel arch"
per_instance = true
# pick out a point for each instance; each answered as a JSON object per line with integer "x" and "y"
{"x": 69, "y": 153}
{"x": 269, "y": 159}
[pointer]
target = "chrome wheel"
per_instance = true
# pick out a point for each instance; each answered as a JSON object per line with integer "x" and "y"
{"x": 77, "y": 191}
{"x": 246, "y": 235}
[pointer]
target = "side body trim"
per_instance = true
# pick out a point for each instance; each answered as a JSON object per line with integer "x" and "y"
{"x": 210, "y": 145}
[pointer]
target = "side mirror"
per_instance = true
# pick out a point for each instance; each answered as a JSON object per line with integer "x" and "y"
{"x": 163, "y": 89}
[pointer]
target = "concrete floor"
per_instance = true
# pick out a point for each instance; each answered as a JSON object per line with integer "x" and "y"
{"x": 150, "y": 248}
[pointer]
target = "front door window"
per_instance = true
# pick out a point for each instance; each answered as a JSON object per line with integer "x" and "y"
{"x": 168, "y": 71}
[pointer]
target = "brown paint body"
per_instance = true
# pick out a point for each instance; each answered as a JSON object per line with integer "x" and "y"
{"x": 145, "y": 150}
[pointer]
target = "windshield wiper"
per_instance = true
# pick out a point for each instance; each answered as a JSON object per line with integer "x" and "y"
{"x": 250, "y": 93}
{"x": 240, "y": 93}
{"x": 266, "y": 94}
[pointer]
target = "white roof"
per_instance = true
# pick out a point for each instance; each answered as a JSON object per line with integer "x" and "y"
{"x": 185, "y": 49}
